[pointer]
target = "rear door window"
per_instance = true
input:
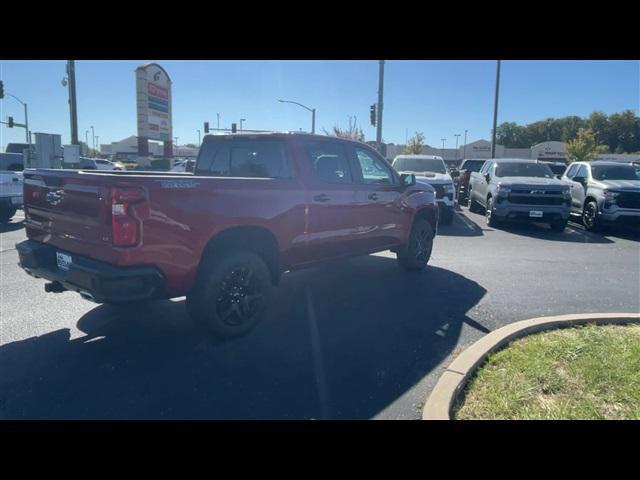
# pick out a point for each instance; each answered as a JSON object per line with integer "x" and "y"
{"x": 329, "y": 162}
{"x": 244, "y": 158}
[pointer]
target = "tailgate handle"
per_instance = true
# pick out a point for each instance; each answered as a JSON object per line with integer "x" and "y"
{"x": 373, "y": 196}
{"x": 321, "y": 198}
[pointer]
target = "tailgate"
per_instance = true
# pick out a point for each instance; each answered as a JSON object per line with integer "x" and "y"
{"x": 10, "y": 184}
{"x": 68, "y": 209}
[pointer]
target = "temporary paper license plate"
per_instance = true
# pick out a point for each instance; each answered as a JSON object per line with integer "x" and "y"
{"x": 64, "y": 261}
{"x": 535, "y": 213}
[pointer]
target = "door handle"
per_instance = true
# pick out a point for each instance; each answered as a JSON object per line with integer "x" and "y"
{"x": 321, "y": 198}
{"x": 373, "y": 196}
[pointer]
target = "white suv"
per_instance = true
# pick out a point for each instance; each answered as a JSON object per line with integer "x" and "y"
{"x": 431, "y": 169}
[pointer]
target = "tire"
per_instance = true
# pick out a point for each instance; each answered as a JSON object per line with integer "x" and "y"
{"x": 230, "y": 295}
{"x": 7, "y": 214}
{"x": 447, "y": 217}
{"x": 590, "y": 217}
{"x": 559, "y": 226}
{"x": 474, "y": 206}
{"x": 415, "y": 255}
{"x": 463, "y": 200}
{"x": 492, "y": 221}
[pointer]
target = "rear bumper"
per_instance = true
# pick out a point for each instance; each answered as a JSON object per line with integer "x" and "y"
{"x": 94, "y": 280}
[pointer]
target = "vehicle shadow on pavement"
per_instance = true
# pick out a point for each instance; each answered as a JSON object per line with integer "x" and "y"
{"x": 571, "y": 234}
{"x": 11, "y": 226}
{"x": 342, "y": 341}
{"x": 462, "y": 226}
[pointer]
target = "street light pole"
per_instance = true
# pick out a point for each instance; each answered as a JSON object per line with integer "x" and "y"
{"x": 495, "y": 113}
{"x": 312, "y": 110}
{"x": 242, "y": 120}
{"x": 198, "y": 138}
{"x": 457, "y": 135}
{"x": 464, "y": 153}
{"x": 97, "y": 144}
{"x": 71, "y": 73}
{"x": 218, "y": 120}
{"x": 443, "y": 140}
{"x": 93, "y": 140}
{"x": 86, "y": 139}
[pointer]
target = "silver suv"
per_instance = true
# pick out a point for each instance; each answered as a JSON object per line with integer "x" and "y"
{"x": 510, "y": 189}
{"x": 604, "y": 191}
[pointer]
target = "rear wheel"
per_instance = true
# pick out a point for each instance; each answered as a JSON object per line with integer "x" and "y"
{"x": 231, "y": 294}
{"x": 7, "y": 214}
{"x": 416, "y": 254}
{"x": 590, "y": 217}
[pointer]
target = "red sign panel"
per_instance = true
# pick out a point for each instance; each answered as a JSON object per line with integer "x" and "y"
{"x": 158, "y": 91}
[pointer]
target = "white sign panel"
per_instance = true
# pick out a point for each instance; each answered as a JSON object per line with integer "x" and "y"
{"x": 153, "y": 96}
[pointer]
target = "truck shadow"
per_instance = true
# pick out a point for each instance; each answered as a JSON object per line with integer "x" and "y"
{"x": 342, "y": 341}
{"x": 462, "y": 226}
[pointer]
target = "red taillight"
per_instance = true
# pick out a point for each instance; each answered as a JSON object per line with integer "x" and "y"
{"x": 125, "y": 227}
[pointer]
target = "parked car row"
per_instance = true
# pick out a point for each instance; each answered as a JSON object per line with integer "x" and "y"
{"x": 598, "y": 192}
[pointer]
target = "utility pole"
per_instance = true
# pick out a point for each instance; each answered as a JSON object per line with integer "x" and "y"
{"x": 71, "y": 73}
{"x": 495, "y": 113}
{"x": 443, "y": 140}
{"x": 457, "y": 135}
{"x": 97, "y": 144}
{"x": 198, "y": 138}
{"x": 218, "y": 120}
{"x": 379, "y": 110}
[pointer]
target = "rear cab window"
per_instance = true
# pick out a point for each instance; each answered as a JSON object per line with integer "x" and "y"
{"x": 244, "y": 158}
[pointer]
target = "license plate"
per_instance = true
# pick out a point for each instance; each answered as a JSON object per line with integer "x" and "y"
{"x": 535, "y": 213}
{"x": 16, "y": 200}
{"x": 64, "y": 261}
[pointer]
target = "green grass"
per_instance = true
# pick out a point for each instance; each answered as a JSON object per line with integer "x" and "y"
{"x": 589, "y": 372}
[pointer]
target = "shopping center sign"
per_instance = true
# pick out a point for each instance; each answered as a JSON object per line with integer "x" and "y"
{"x": 153, "y": 99}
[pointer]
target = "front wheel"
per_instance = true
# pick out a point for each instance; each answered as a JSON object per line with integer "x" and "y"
{"x": 492, "y": 221}
{"x": 590, "y": 217}
{"x": 474, "y": 206}
{"x": 416, "y": 254}
{"x": 231, "y": 294}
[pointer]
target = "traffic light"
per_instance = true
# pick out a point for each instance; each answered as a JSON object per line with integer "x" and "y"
{"x": 206, "y": 127}
{"x": 10, "y": 122}
{"x": 1, "y": 89}
{"x": 233, "y": 128}
{"x": 372, "y": 114}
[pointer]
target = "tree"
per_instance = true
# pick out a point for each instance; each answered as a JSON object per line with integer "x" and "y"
{"x": 415, "y": 144}
{"x": 352, "y": 132}
{"x": 584, "y": 148}
{"x": 191, "y": 145}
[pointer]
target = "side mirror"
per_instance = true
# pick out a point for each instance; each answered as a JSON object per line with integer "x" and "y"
{"x": 487, "y": 177}
{"x": 581, "y": 180}
{"x": 407, "y": 179}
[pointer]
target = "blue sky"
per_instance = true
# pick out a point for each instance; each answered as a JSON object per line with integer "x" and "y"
{"x": 438, "y": 98}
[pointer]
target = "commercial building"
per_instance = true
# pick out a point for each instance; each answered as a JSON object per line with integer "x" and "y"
{"x": 551, "y": 151}
{"x": 128, "y": 148}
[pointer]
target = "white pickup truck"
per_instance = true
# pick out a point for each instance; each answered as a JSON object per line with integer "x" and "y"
{"x": 10, "y": 194}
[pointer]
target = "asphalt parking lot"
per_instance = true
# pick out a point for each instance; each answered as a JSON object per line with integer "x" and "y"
{"x": 356, "y": 339}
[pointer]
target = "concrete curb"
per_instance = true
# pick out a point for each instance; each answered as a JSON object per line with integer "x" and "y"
{"x": 443, "y": 397}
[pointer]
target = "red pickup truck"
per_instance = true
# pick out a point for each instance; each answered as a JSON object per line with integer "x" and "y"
{"x": 256, "y": 206}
